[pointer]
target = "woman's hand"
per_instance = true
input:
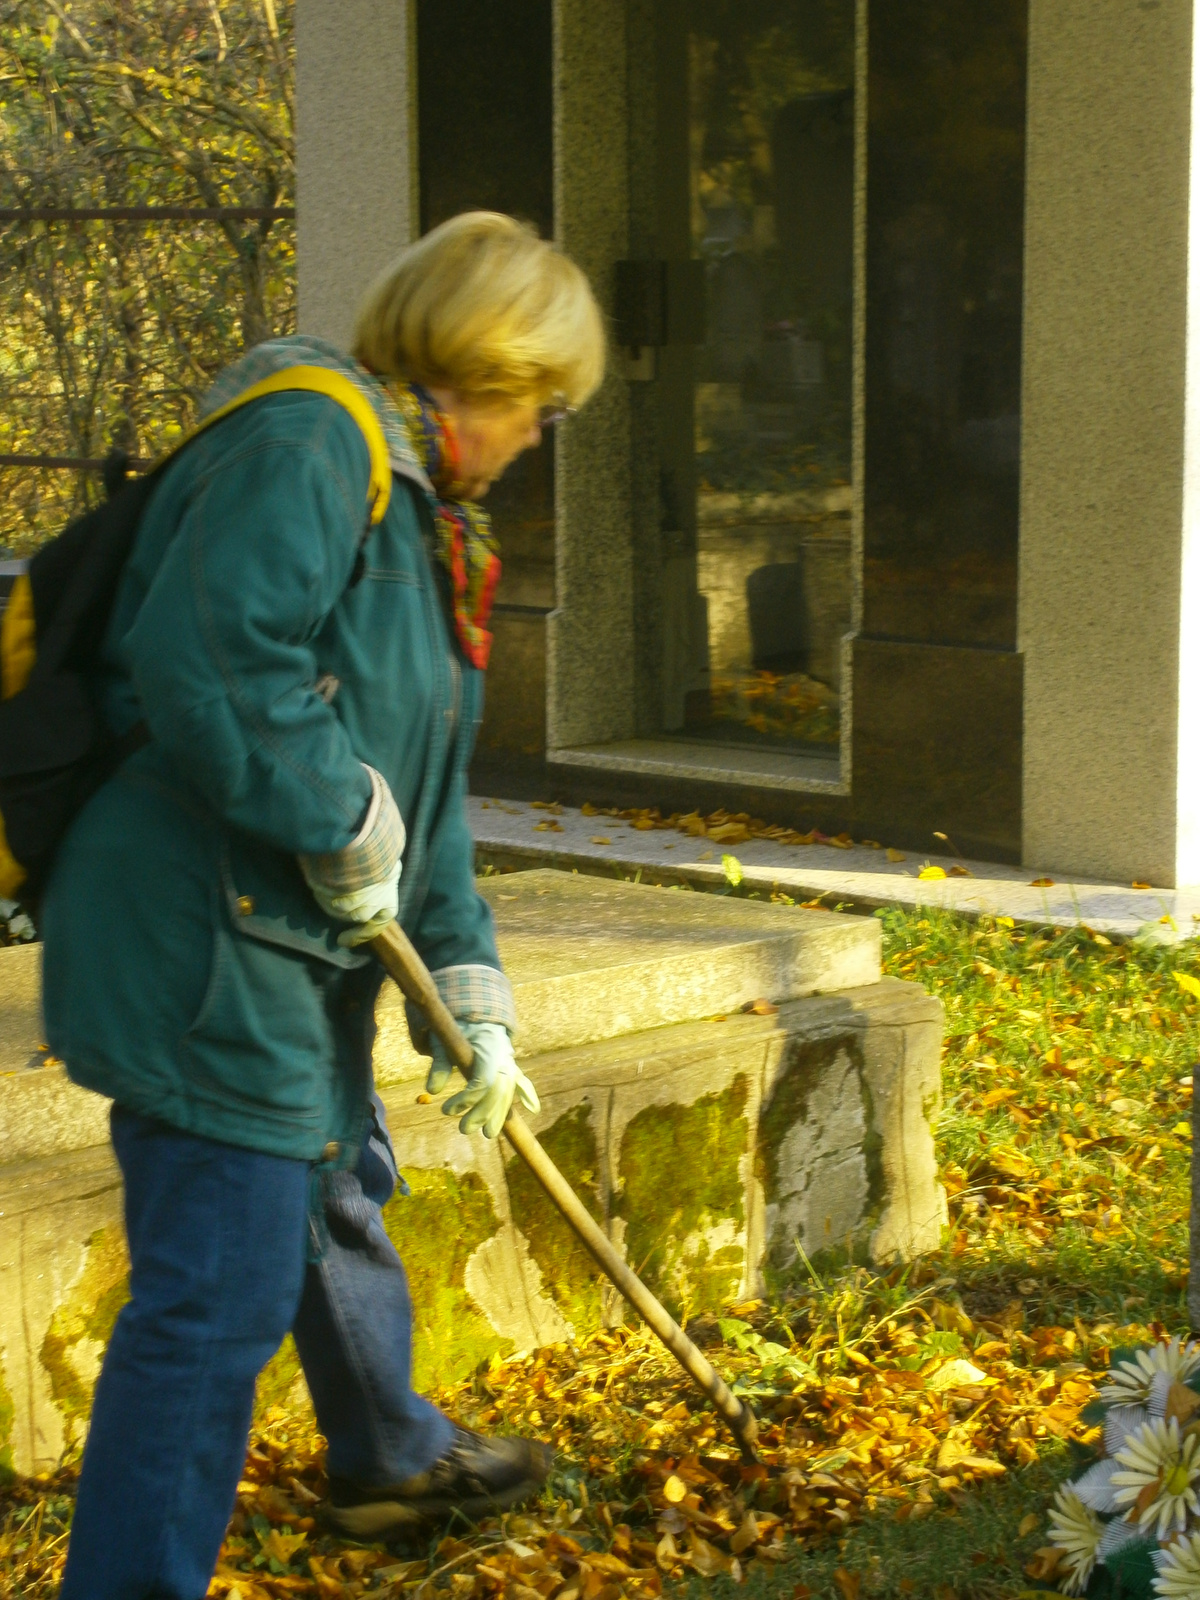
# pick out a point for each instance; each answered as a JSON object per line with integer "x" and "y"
{"x": 495, "y": 1080}
{"x": 361, "y": 884}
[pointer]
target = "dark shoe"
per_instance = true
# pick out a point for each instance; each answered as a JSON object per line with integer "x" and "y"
{"x": 477, "y": 1475}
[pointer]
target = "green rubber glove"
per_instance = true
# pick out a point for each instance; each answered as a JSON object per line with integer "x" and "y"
{"x": 495, "y": 1081}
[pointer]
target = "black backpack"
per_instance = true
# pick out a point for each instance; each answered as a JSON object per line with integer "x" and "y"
{"x": 55, "y": 748}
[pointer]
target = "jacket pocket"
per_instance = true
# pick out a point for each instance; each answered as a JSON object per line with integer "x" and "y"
{"x": 268, "y": 900}
{"x": 261, "y": 1043}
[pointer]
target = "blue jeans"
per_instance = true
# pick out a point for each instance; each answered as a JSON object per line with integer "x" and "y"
{"x": 218, "y": 1240}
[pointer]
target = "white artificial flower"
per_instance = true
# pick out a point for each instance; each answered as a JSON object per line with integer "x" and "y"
{"x": 1117, "y": 1534}
{"x": 1076, "y": 1531}
{"x": 1121, "y": 1423}
{"x": 1178, "y": 1576}
{"x": 1129, "y": 1382}
{"x": 1161, "y": 1385}
{"x": 1156, "y": 1456}
{"x": 1094, "y": 1487}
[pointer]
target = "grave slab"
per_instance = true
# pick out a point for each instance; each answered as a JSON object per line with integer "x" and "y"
{"x": 706, "y": 1140}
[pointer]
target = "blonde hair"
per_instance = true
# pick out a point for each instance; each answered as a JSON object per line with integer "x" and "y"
{"x": 483, "y": 306}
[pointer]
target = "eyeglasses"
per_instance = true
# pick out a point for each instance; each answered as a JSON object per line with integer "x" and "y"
{"x": 557, "y": 410}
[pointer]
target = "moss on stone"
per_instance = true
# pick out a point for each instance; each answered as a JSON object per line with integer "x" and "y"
{"x": 569, "y": 1276}
{"x": 680, "y": 1190}
{"x": 81, "y": 1327}
{"x": 436, "y": 1229}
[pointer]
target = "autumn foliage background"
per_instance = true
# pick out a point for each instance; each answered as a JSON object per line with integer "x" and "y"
{"x": 114, "y": 328}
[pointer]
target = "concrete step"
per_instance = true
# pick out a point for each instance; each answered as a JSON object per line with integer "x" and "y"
{"x": 704, "y": 1139}
{"x": 705, "y": 1149}
{"x": 592, "y": 959}
{"x": 588, "y": 959}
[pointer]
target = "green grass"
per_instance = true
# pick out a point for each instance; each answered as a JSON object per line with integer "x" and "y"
{"x": 1068, "y": 1198}
{"x": 969, "y": 1550}
{"x": 1064, "y": 1137}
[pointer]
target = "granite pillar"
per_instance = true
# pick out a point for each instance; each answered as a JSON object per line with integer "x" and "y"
{"x": 590, "y": 638}
{"x": 355, "y": 153}
{"x": 1109, "y": 577}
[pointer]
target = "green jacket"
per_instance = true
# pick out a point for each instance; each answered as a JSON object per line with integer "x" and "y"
{"x": 189, "y": 974}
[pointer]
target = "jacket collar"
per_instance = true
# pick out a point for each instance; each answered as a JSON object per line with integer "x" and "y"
{"x": 301, "y": 349}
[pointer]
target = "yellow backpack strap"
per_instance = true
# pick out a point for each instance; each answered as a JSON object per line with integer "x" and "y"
{"x": 18, "y": 631}
{"x": 337, "y": 386}
{"x": 18, "y": 639}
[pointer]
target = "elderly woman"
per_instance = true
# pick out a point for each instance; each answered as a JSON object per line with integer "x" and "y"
{"x": 310, "y": 693}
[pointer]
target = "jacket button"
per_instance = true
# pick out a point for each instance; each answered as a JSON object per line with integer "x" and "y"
{"x": 245, "y": 905}
{"x": 331, "y": 1151}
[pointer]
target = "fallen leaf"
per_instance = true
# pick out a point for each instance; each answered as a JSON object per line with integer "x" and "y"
{"x": 706, "y": 1558}
{"x": 760, "y": 1008}
{"x": 1027, "y": 1524}
{"x": 1138, "y": 884}
{"x": 746, "y": 1535}
{"x": 955, "y": 1374}
{"x": 732, "y": 868}
{"x": 1041, "y": 883}
{"x": 895, "y": 855}
{"x": 1044, "y": 1562}
{"x": 675, "y": 1489}
{"x": 929, "y": 872}
{"x": 729, "y": 833}
{"x": 849, "y": 1583}
{"x": 281, "y": 1547}
{"x": 600, "y": 839}
{"x": 1188, "y": 984}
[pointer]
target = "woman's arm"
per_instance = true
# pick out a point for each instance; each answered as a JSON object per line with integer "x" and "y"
{"x": 220, "y": 650}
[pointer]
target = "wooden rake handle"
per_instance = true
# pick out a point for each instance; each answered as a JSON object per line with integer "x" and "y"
{"x": 395, "y": 952}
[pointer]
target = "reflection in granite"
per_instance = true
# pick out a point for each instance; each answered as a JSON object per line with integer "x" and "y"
{"x": 772, "y": 218}
{"x": 485, "y": 112}
{"x": 945, "y": 193}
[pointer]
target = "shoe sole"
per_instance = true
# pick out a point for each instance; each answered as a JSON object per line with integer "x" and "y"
{"x": 379, "y": 1519}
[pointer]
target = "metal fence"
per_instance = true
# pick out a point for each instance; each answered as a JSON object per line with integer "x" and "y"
{"x": 151, "y": 213}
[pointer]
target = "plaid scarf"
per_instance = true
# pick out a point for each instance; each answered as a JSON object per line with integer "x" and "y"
{"x": 467, "y": 547}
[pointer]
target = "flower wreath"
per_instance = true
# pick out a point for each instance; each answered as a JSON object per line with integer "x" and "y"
{"x": 1129, "y": 1525}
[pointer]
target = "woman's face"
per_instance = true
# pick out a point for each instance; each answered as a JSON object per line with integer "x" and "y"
{"x": 491, "y": 435}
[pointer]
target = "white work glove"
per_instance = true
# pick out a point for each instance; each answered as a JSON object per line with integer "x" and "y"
{"x": 495, "y": 1080}
{"x": 361, "y": 884}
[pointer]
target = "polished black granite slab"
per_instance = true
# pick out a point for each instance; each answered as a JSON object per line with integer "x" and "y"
{"x": 945, "y": 203}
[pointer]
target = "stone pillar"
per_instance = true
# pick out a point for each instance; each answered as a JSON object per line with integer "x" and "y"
{"x": 356, "y": 182}
{"x": 1109, "y": 605}
{"x": 590, "y": 663}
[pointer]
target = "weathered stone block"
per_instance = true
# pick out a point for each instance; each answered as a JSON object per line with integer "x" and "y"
{"x": 708, "y": 1149}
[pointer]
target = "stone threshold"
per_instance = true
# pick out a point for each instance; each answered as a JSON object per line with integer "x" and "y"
{"x": 511, "y": 833}
{"x": 705, "y": 761}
